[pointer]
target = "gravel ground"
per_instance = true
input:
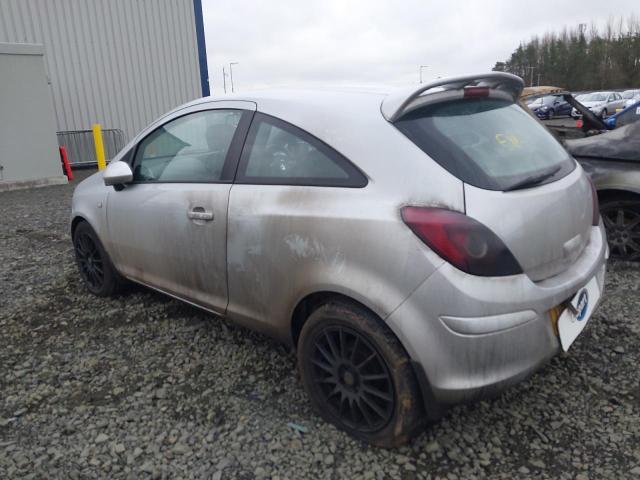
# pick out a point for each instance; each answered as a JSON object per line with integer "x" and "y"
{"x": 142, "y": 385}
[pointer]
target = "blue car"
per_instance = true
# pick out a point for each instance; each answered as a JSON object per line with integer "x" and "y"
{"x": 629, "y": 115}
{"x": 549, "y": 106}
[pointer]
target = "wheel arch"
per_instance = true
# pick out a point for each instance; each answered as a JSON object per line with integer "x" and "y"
{"x": 306, "y": 305}
{"x": 609, "y": 194}
{"x": 76, "y": 221}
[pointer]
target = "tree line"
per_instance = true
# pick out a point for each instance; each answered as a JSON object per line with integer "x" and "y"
{"x": 581, "y": 58}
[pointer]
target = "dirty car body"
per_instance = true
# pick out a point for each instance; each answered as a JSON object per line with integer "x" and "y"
{"x": 310, "y": 196}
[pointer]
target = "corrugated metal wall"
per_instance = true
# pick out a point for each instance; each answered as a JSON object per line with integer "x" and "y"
{"x": 121, "y": 63}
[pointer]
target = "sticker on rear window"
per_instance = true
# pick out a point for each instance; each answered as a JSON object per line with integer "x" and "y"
{"x": 507, "y": 138}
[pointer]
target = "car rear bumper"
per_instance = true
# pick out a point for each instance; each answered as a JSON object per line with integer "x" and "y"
{"x": 475, "y": 336}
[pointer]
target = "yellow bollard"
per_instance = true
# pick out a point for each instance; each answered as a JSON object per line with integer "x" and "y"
{"x": 97, "y": 140}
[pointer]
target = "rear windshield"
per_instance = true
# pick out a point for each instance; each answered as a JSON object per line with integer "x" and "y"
{"x": 489, "y": 143}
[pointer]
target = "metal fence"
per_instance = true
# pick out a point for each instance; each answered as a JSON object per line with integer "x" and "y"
{"x": 81, "y": 149}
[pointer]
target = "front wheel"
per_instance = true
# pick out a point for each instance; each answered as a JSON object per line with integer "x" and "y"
{"x": 99, "y": 275}
{"x": 551, "y": 114}
{"x": 358, "y": 375}
{"x": 604, "y": 114}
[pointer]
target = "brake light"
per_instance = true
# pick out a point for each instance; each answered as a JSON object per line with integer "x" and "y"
{"x": 462, "y": 241}
{"x": 595, "y": 205}
{"x": 475, "y": 92}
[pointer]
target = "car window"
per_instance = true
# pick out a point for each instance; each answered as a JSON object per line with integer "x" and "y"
{"x": 594, "y": 97}
{"x": 277, "y": 152}
{"x": 192, "y": 148}
{"x": 490, "y": 143}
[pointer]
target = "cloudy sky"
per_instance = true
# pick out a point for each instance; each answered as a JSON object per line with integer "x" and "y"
{"x": 377, "y": 42}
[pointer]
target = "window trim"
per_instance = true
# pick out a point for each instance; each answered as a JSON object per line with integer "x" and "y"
{"x": 356, "y": 178}
{"x": 233, "y": 153}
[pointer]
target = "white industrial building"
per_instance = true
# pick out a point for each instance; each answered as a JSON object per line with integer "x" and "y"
{"x": 120, "y": 63}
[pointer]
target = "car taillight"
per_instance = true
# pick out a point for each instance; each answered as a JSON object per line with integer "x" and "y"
{"x": 476, "y": 92}
{"x": 595, "y": 220}
{"x": 462, "y": 241}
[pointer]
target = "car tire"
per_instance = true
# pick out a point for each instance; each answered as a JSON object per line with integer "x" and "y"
{"x": 358, "y": 376}
{"x": 98, "y": 273}
{"x": 621, "y": 218}
{"x": 550, "y": 114}
{"x": 604, "y": 114}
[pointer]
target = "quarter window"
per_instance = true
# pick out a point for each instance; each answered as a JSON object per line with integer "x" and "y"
{"x": 276, "y": 152}
{"x": 192, "y": 148}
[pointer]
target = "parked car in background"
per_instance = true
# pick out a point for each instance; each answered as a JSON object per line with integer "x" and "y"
{"x": 624, "y": 117}
{"x": 549, "y": 106}
{"x": 420, "y": 248}
{"x": 612, "y": 159}
{"x": 601, "y": 103}
{"x": 630, "y": 97}
{"x": 529, "y": 93}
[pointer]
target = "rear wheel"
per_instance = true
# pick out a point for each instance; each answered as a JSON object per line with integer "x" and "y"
{"x": 621, "y": 219}
{"x": 358, "y": 376}
{"x": 96, "y": 269}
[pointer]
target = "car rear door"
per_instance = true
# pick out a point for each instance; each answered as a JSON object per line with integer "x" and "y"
{"x": 168, "y": 227}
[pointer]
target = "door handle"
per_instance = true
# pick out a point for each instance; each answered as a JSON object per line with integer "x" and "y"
{"x": 199, "y": 213}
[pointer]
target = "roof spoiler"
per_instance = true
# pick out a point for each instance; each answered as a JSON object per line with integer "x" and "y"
{"x": 396, "y": 104}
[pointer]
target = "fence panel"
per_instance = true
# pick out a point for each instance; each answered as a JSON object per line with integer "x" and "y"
{"x": 81, "y": 149}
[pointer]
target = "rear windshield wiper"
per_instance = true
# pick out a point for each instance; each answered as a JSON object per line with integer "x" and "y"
{"x": 534, "y": 179}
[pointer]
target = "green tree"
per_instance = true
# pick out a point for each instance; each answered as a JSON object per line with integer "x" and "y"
{"x": 580, "y": 59}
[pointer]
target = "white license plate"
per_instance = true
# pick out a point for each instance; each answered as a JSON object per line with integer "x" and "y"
{"x": 577, "y": 314}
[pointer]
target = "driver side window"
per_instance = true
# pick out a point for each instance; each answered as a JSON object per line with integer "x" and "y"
{"x": 276, "y": 152}
{"x": 192, "y": 148}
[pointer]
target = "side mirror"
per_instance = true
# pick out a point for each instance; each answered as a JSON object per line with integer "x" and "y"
{"x": 117, "y": 173}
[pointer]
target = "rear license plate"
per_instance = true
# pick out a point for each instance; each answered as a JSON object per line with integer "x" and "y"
{"x": 575, "y": 317}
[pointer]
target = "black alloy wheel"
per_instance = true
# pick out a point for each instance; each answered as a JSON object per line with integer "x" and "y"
{"x": 353, "y": 379}
{"x": 90, "y": 261}
{"x": 359, "y": 377}
{"x": 622, "y": 221}
{"x": 99, "y": 275}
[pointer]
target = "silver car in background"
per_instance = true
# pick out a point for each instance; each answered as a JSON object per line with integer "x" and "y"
{"x": 418, "y": 249}
{"x": 601, "y": 104}
{"x": 630, "y": 97}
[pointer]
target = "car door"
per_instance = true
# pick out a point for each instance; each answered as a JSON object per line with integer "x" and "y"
{"x": 563, "y": 108}
{"x": 283, "y": 231}
{"x": 168, "y": 227}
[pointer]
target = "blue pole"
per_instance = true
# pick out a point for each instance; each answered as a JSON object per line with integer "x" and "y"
{"x": 202, "y": 48}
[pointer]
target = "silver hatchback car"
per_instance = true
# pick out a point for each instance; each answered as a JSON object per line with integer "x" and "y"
{"x": 418, "y": 249}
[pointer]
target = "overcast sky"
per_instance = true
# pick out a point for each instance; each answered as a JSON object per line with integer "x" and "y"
{"x": 378, "y": 42}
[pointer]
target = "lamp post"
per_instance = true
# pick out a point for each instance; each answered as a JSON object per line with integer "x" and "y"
{"x": 224, "y": 80}
{"x": 231, "y": 73}
{"x": 531, "y": 69}
{"x": 421, "y": 67}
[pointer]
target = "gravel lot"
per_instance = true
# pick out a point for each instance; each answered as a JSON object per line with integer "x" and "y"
{"x": 142, "y": 385}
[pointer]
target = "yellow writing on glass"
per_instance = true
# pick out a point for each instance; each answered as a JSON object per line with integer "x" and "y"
{"x": 507, "y": 139}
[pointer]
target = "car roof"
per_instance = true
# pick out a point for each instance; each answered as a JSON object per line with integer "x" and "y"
{"x": 331, "y": 97}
